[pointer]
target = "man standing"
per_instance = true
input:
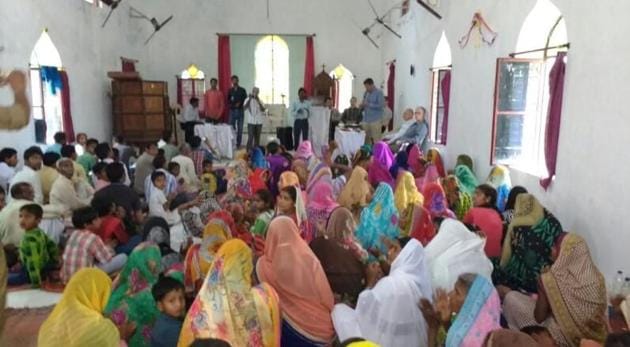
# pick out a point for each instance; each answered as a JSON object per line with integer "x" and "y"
{"x": 191, "y": 118}
{"x": 236, "y": 98}
{"x": 255, "y": 112}
{"x": 373, "y": 105}
{"x": 335, "y": 117}
{"x": 301, "y": 111}
{"x": 215, "y": 103}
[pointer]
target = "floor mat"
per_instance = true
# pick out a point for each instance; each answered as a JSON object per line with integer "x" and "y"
{"x": 22, "y": 326}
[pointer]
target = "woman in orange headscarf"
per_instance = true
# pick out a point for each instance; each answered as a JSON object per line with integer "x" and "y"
{"x": 292, "y": 269}
{"x": 200, "y": 256}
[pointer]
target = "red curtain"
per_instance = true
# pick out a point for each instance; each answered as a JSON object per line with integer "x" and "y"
{"x": 66, "y": 114}
{"x": 309, "y": 66}
{"x": 446, "y": 97}
{"x": 391, "y": 82}
{"x": 180, "y": 99}
{"x": 554, "y": 114}
{"x": 225, "y": 69}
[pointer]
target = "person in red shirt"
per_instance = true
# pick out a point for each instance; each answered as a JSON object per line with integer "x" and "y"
{"x": 214, "y": 102}
{"x": 486, "y": 217}
{"x": 113, "y": 231}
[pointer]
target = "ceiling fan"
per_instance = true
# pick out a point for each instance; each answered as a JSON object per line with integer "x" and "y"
{"x": 113, "y": 4}
{"x": 156, "y": 25}
{"x": 379, "y": 20}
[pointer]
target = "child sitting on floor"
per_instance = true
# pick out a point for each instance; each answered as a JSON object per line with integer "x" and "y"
{"x": 85, "y": 249}
{"x": 263, "y": 204}
{"x": 38, "y": 253}
{"x": 168, "y": 293}
{"x": 99, "y": 176}
{"x": 113, "y": 231}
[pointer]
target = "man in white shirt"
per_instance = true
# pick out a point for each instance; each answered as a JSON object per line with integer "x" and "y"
{"x": 33, "y": 157}
{"x": 10, "y": 231}
{"x": 190, "y": 118}
{"x": 408, "y": 120}
{"x": 254, "y": 115}
{"x": 187, "y": 168}
{"x": 63, "y": 192}
{"x": 8, "y": 161}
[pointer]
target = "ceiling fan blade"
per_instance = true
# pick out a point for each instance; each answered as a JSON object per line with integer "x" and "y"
{"x": 390, "y": 29}
{"x": 108, "y": 15}
{"x": 150, "y": 37}
{"x": 164, "y": 23}
{"x": 429, "y": 8}
{"x": 369, "y": 38}
{"x": 373, "y": 8}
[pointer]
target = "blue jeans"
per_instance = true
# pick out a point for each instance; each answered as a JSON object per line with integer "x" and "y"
{"x": 300, "y": 127}
{"x": 236, "y": 121}
{"x": 130, "y": 245}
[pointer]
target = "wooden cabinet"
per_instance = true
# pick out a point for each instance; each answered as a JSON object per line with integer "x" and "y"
{"x": 140, "y": 110}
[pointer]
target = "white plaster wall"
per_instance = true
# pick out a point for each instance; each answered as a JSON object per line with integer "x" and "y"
{"x": 191, "y": 36}
{"x": 590, "y": 194}
{"x": 86, "y": 50}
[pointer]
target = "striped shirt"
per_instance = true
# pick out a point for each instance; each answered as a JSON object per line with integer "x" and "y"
{"x": 82, "y": 248}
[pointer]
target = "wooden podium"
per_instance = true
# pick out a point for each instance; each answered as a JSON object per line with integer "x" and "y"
{"x": 140, "y": 109}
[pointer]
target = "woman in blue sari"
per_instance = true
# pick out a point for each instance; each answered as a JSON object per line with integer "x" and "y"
{"x": 465, "y": 316}
{"x": 379, "y": 219}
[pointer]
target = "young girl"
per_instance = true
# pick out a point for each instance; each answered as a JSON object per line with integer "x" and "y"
{"x": 263, "y": 203}
{"x": 484, "y": 214}
{"x": 290, "y": 204}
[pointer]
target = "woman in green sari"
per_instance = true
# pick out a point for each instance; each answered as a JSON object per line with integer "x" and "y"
{"x": 467, "y": 180}
{"x": 131, "y": 300}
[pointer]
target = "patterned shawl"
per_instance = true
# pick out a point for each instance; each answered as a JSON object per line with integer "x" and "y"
{"x": 512, "y": 338}
{"x": 434, "y": 156}
{"x": 357, "y": 191}
{"x": 229, "y": 308}
{"x": 200, "y": 257}
{"x": 435, "y": 201}
{"x": 479, "y": 316}
{"x": 238, "y": 188}
{"x": 576, "y": 291}
{"x": 379, "y": 219}
{"x": 527, "y": 245}
{"x": 499, "y": 178}
{"x": 132, "y": 300}
{"x": 467, "y": 180}
{"x": 431, "y": 175}
{"x": 296, "y": 274}
{"x": 459, "y": 202}
{"x": 340, "y": 227}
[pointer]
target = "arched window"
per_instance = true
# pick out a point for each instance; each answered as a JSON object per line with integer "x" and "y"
{"x": 441, "y": 67}
{"x": 191, "y": 82}
{"x": 272, "y": 69}
{"x": 45, "y": 84}
{"x": 522, "y": 90}
{"x": 344, "y": 79}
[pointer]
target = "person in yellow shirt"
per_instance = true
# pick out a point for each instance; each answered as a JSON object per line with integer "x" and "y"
{"x": 48, "y": 174}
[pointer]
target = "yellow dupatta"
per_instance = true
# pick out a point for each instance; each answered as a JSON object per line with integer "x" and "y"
{"x": 77, "y": 320}
{"x": 200, "y": 257}
{"x": 527, "y": 211}
{"x": 407, "y": 197}
{"x": 229, "y": 308}
{"x": 356, "y": 192}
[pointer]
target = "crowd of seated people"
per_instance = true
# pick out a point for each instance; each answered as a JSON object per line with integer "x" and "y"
{"x": 279, "y": 248}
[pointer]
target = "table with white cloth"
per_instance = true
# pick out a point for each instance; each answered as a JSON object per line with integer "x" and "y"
{"x": 319, "y": 126}
{"x": 220, "y": 136}
{"x": 349, "y": 141}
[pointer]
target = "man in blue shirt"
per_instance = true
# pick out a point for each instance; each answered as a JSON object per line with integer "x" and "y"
{"x": 236, "y": 98}
{"x": 373, "y": 107}
{"x": 301, "y": 111}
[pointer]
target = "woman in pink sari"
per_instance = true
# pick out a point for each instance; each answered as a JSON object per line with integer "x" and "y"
{"x": 431, "y": 175}
{"x": 321, "y": 203}
{"x": 475, "y": 305}
{"x": 435, "y": 201}
{"x": 414, "y": 160}
{"x": 379, "y": 169}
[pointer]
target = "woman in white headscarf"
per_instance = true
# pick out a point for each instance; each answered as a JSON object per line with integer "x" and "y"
{"x": 454, "y": 251}
{"x": 385, "y": 313}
